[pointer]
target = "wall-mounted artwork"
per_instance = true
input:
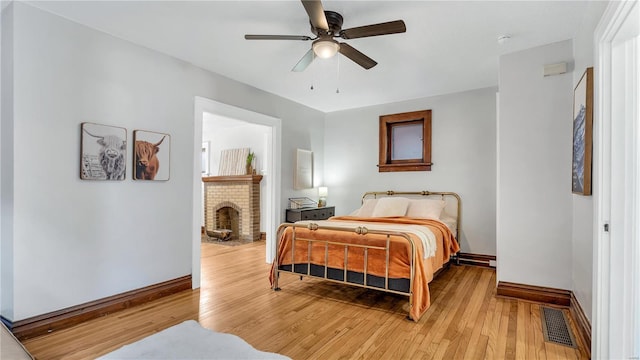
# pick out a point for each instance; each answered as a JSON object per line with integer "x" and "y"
{"x": 303, "y": 171}
{"x": 206, "y": 145}
{"x": 103, "y": 152}
{"x": 582, "y": 134}
{"x": 152, "y": 152}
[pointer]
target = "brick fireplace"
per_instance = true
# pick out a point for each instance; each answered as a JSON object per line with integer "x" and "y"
{"x": 233, "y": 203}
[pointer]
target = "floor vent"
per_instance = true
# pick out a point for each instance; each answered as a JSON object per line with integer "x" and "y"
{"x": 556, "y": 328}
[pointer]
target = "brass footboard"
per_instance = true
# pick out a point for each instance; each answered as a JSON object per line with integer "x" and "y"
{"x": 361, "y": 231}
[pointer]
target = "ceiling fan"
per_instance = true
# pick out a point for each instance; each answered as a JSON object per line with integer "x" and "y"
{"x": 327, "y": 25}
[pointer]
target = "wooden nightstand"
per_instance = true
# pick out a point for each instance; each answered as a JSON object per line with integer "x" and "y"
{"x": 321, "y": 213}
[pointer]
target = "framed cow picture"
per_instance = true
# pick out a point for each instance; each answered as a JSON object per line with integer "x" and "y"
{"x": 151, "y": 155}
{"x": 103, "y": 152}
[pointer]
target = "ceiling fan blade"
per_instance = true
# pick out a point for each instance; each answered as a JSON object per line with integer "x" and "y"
{"x": 277, "y": 37}
{"x": 356, "y": 56}
{"x": 305, "y": 61}
{"x": 391, "y": 27}
{"x": 316, "y": 13}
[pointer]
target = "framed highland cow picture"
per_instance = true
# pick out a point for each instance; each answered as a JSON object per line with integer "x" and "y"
{"x": 103, "y": 152}
{"x": 151, "y": 155}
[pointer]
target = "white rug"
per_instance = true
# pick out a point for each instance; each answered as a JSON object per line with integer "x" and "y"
{"x": 189, "y": 340}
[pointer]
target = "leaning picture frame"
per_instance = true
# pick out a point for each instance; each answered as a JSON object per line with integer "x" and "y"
{"x": 582, "y": 134}
{"x": 151, "y": 155}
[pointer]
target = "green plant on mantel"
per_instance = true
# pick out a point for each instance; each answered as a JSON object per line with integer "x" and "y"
{"x": 250, "y": 158}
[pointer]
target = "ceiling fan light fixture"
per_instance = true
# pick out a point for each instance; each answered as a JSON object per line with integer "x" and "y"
{"x": 325, "y": 48}
{"x": 327, "y": 25}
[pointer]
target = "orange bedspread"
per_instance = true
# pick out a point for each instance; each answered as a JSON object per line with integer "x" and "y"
{"x": 399, "y": 259}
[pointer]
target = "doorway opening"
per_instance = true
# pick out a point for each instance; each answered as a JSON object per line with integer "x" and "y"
{"x": 269, "y": 168}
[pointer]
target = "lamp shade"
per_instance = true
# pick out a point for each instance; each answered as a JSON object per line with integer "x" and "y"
{"x": 323, "y": 191}
{"x": 325, "y": 48}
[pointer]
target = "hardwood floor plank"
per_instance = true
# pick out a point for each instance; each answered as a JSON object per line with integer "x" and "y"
{"x": 479, "y": 314}
{"x": 445, "y": 324}
{"x": 538, "y": 336}
{"x": 510, "y": 352}
{"x": 481, "y": 350}
{"x": 521, "y": 331}
{"x": 315, "y": 319}
{"x": 490, "y": 322}
{"x": 553, "y": 351}
{"x": 503, "y": 332}
{"x": 492, "y": 330}
{"x": 442, "y": 348}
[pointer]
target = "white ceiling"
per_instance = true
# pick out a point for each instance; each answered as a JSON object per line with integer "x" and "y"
{"x": 449, "y": 46}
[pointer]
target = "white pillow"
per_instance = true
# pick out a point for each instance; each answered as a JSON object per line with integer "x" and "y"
{"x": 450, "y": 222}
{"x": 425, "y": 208}
{"x": 391, "y": 206}
{"x": 366, "y": 210}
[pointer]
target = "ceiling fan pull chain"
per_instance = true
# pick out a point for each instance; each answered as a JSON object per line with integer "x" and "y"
{"x": 313, "y": 78}
{"x": 338, "y": 76}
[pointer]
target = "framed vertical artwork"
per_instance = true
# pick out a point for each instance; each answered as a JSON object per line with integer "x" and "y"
{"x": 103, "y": 152}
{"x": 206, "y": 145}
{"x": 303, "y": 171}
{"x": 151, "y": 160}
{"x": 582, "y": 134}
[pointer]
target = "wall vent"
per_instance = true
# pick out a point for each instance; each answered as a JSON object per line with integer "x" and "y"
{"x": 555, "y": 327}
{"x": 555, "y": 69}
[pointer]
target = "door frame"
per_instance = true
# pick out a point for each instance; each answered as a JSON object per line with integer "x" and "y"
{"x": 273, "y": 175}
{"x": 616, "y": 324}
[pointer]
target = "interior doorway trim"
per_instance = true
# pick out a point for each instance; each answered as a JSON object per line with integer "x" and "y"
{"x": 273, "y": 176}
{"x": 616, "y": 324}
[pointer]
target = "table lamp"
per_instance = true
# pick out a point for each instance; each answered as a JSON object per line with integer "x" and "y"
{"x": 323, "y": 191}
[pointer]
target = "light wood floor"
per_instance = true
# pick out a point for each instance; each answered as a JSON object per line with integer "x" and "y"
{"x": 312, "y": 319}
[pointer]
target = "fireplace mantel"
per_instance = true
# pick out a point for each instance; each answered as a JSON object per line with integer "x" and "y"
{"x": 233, "y": 178}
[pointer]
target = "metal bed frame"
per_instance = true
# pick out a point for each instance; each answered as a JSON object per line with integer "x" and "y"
{"x": 363, "y": 231}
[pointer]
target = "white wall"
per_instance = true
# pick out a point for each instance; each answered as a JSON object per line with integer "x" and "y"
{"x": 244, "y": 136}
{"x": 582, "y": 206}
{"x": 307, "y": 135}
{"x": 76, "y": 241}
{"x": 534, "y": 161}
{"x": 463, "y": 153}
